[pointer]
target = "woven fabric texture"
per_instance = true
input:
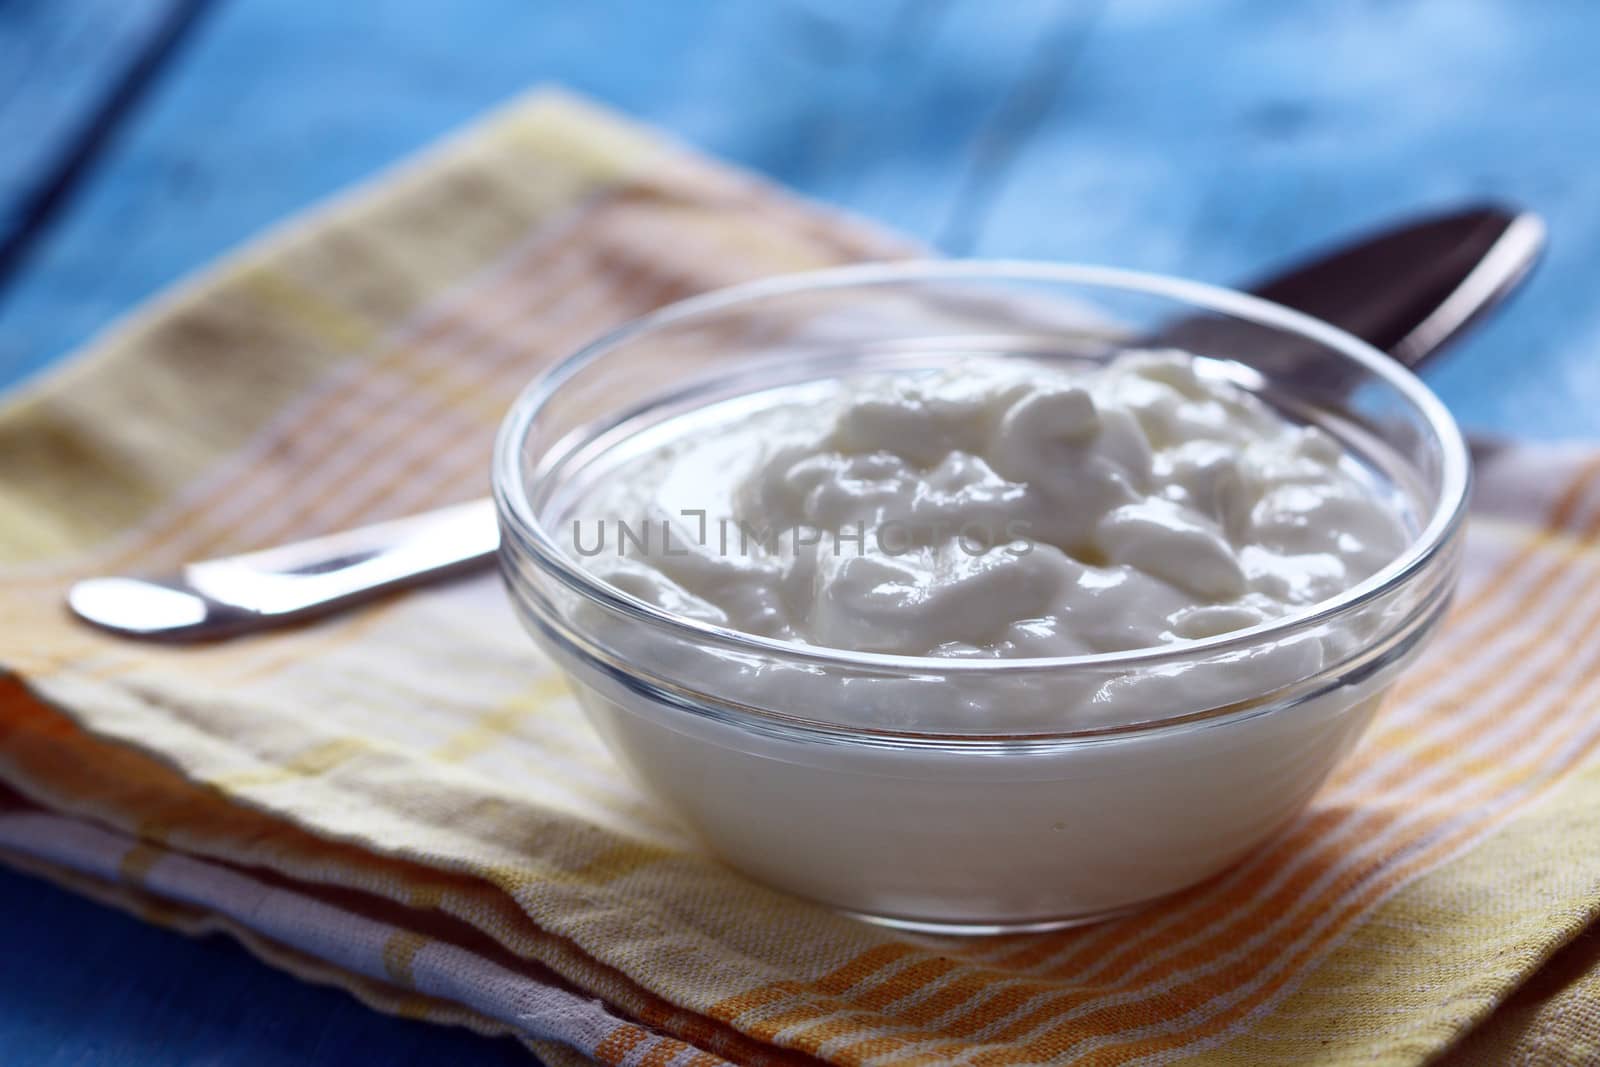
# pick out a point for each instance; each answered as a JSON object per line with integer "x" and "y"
{"x": 405, "y": 802}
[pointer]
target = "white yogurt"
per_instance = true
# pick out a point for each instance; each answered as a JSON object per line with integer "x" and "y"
{"x": 991, "y": 510}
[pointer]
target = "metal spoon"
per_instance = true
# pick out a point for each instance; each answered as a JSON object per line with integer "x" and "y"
{"x": 1409, "y": 290}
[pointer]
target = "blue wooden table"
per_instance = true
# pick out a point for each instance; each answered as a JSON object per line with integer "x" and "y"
{"x": 140, "y": 138}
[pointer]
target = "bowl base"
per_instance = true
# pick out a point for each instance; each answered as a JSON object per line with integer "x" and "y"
{"x": 989, "y": 929}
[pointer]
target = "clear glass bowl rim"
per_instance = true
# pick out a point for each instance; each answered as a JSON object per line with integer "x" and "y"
{"x": 518, "y": 518}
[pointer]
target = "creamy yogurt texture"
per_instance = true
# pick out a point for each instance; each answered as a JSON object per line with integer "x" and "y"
{"x": 999, "y": 508}
{"x": 992, "y": 510}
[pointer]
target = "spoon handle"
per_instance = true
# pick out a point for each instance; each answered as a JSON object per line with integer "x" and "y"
{"x": 1409, "y": 290}
{"x": 239, "y": 594}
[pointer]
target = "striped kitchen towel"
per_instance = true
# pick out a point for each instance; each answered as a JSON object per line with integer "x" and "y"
{"x": 405, "y": 802}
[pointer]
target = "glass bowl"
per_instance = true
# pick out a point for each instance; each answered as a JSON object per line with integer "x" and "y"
{"x": 1040, "y": 819}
